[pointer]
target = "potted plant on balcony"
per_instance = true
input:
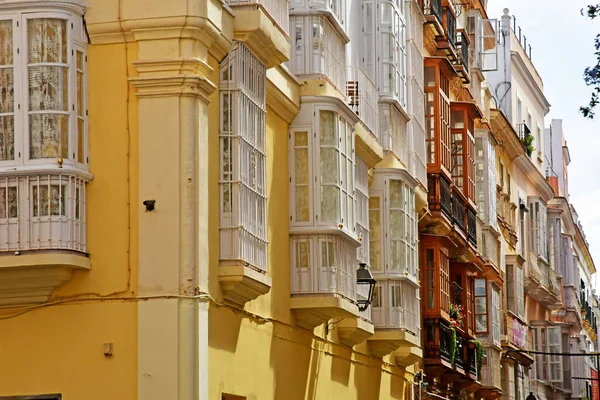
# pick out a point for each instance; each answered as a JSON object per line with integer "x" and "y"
{"x": 456, "y": 315}
{"x": 527, "y": 141}
{"x": 452, "y": 345}
{"x": 479, "y": 354}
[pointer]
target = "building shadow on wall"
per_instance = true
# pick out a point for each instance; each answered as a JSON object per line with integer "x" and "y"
{"x": 224, "y": 329}
{"x": 341, "y": 365}
{"x": 397, "y": 387}
{"x": 292, "y": 362}
{"x": 367, "y": 380}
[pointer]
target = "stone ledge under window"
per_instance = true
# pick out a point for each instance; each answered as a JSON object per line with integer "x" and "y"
{"x": 241, "y": 284}
{"x": 253, "y": 26}
{"x": 32, "y": 277}
{"x": 353, "y": 331}
{"x": 313, "y": 310}
{"x": 403, "y": 344}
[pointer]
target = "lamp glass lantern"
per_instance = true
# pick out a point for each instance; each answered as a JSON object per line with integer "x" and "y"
{"x": 365, "y": 283}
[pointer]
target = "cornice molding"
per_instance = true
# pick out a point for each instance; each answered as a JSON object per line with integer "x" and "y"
{"x": 535, "y": 176}
{"x": 74, "y": 6}
{"x": 174, "y": 86}
{"x": 530, "y": 81}
{"x": 213, "y": 27}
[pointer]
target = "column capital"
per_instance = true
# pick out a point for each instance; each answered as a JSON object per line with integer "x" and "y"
{"x": 174, "y": 86}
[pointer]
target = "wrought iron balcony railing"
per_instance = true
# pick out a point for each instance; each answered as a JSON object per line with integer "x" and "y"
{"x": 463, "y": 47}
{"x": 433, "y": 7}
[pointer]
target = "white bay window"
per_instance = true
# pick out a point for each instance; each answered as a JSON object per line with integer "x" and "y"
{"x": 393, "y": 223}
{"x": 322, "y": 161}
{"x": 396, "y": 305}
{"x": 392, "y": 33}
{"x": 243, "y": 205}
{"x": 485, "y": 178}
{"x": 538, "y": 227}
{"x": 328, "y": 201}
{"x": 318, "y": 49}
{"x": 548, "y": 339}
{"x": 362, "y": 209}
{"x": 44, "y": 159}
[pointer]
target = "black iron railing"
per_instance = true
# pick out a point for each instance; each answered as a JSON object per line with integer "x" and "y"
{"x": 445, "y": 198}
{"x": 451, "y": 28}
{"x": 433, "y": 7}
{"x": 472, "y": 360}
{"x": 459, "y": 357}
{"x": 458, "y": 213}
{"x": 464, "y": 50}
{"x": 472, "y": 226}
{"x": 438, "y": 339}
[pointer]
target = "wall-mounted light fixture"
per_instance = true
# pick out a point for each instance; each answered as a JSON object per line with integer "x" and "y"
{"x": 149, "y": 204}
{"x": 365, "y": 283}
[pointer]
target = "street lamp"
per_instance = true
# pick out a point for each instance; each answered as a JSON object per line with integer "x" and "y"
{"x": 364, "y": 287}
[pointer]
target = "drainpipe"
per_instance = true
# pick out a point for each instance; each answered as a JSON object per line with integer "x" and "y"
{"x": 187, "y": 308}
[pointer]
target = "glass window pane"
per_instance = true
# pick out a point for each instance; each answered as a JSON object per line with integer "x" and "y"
{"x": 8, "y": 204}
{"x": 7, "y": 138}
{"x": 47, "y": 40}
{"x": 48, "y": 88}
{"x": 329, "y": 165}
{"x": 329, "y": 131}
{"x": 49, "y": 201}
{"x": 330, "y": 203}
{"x": 48, "y": 136}
{"x": 479, "y": 287}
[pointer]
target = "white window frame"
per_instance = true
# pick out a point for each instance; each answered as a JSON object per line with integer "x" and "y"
{"x": 324, "y": 54}
{"x": 75, "y": 42}
{"x": 495, "y": 313}
{"x": 548, "y": 367}
{"x": 362, "y": 209}
{"x": 397, "y": 305}
{"x": 23, "y": 176}
{"x": 243, "y": 226}
{"x": 346, "y": 223}
{"x": 396, "y": 65}
{"x": 515, "y": 291}
{"x": 486, "y": 180}
{"x": 381, "y": 188}
{"x": 538, "y": 224}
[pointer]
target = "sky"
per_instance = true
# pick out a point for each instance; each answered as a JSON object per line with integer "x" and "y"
{"x": 562, "y": 45}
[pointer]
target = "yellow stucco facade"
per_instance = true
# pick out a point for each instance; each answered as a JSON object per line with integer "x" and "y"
{"x": 153, "y": 289}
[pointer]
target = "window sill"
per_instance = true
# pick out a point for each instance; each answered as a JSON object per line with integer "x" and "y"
{"x": 241, "y": 284}
{"x": 402, "y": 343}
{"x": 326, "y": 230}
{"x": 353, "y": 331}
{"x": 50, "y": 168}
{"x": 32, "y": 277}
{"x": 313, "y": 310}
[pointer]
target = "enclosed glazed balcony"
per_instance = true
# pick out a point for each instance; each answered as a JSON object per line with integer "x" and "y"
{"x": 42, "y": 234}
{"x": 394, "y": 263}
{"x": 541, "y": 282}
{"x": 462, "y": 63}
{"x": 333, "y": 10}
{"x": 433, "y": 16}
{"x": 323, "y": 278}
{"x": 363, "y": 98}
{"x": 446, "y": 42}
{"x": 396, "y": 316}
{"x": 491, "y": 375}
{"x": 318, "y": 51}
{"x": 440, "y": 196}
{"x": 44, "y": 152}
{"x": 515, "y": 333}
{"x": 263, "y": 25}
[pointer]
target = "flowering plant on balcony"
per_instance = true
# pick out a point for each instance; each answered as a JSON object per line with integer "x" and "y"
{"x": 457, "y": 313}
